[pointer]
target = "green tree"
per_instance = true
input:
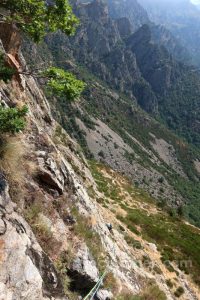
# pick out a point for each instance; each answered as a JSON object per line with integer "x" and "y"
{"x": 39, "y": 17}
{"x": 6, "y": 72}
{"x": 63, "y": 83}
{"x": 12, "y": 120}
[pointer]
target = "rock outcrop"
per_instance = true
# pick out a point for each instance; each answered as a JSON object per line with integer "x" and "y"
{"x": 26, "y": 271}
{"x": 131, "y": 9}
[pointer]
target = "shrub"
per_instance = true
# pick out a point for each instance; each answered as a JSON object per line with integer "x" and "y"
{"x": 38, "y": 17}
{"x": 179, "y": 292}
{"x": 83, "y": 229}
{"x": 110, "y": 282}
{"x": 169, "y": 283}
{"x": 101, "y": 154}
{"x": 157, "y": 270}
{"x": 132, "y": 242}
{"x": 12, "y": 120}
{"x": 63, "y": 83}
{"x": 152, "y": 292}
{"x": 40, "y": 228}
{"x": 128, "y": 297}
{"x": 6, "y": 72}
{"x": 62, "y": 265}
{"x": 161, "y": 179}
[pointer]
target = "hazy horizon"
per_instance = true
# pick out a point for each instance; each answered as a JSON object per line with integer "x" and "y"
{"x": 195, "y": 2}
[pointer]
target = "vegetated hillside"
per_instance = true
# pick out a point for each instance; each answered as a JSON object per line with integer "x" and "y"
{"x": 137, "y": 16}
{"x": 56, "y": 207}
{"x": 182, "y": 18}
{"x": 112, "y": 129}
{"x": 65, "y": 220}
{"x": 135, "y": 65}
{"x": 152, "y": 156}
{"x": 162, "y": 36}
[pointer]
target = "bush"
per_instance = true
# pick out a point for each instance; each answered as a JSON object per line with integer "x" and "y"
{"x": 101, "y": 154}
{"x": 179, "y": 292}
{"x": 84, "y": 229}
{"x": 152, "y": 292}
{"x": 6, "y": 72}
{"x": 169, "y": 283}
{"x": 63, "y": 83}
{"x": 161, "y": 179}
{"x": 12, "y": 120}
{"x": 157, "y": 270}
{"x": 132, "y": 242}
{"x": 38, "y": 17}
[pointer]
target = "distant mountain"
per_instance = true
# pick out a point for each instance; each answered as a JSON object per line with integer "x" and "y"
{"x": 130, "y": 9}
{"x": 162, "y": 36}
{"x": 126, "y": 72}
{"x": 138, "y": 16}
{"x": 135, "y": 64}
{"x": 182, "y": 18}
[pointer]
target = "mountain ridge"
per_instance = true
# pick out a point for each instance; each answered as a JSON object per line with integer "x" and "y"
{"x": 108, "y": 55}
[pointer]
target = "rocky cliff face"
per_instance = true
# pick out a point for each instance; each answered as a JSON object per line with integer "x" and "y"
{"x": 181, "y": 18}
{"x": 104, "y": 52}
{"x": 54, "y": 233}
{"x": 135, "y": 64}
{"x": 138, "y": 16}
{"x": 129, "y": 9}
{"x": 155, "y": 63}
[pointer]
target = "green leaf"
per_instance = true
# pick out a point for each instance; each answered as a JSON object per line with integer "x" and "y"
{"x": 64, "y": 83}
{"x": 12, "y": 120}
{"x": 36, "y": 17}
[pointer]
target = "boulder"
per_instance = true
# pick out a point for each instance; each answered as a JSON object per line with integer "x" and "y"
{"x": 83, "y": 271}
{"x": 50, "y": 173}
{"x": 103, "y": 295}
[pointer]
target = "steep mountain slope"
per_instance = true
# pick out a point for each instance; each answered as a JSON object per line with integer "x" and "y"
{"x": 175, "y": 85}
{"x": 152, "y": 79}
{"x": 182, "y": 18}
{"x": 52, "y": 202}
{"x": 162, "y": 36}
{"x": 133, "y": 64}
{"x": 138, "y": 17}
{"x": 54, "y": 235}
{"x": 129, "y": 9}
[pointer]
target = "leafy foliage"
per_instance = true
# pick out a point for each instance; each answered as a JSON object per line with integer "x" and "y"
{"x": 38, "y": 17}
{"x": 64, "y": 83}
{"x": 6, "y": 72}
{"x": 12, "y": 120}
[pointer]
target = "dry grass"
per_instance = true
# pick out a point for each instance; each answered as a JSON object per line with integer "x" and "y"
{"x": 41, "y": 229}
{"x": 150, "y": 292}
{"x": 12, "y": 152}
{"x": 111, "y": 283}
{"x": 16, "y": 166}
